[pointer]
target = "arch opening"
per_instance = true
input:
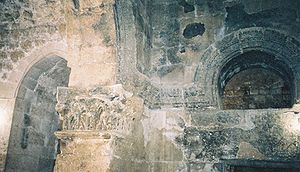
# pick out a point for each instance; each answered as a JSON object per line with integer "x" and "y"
{"x": 256, "y": 80}
{"x": 32, "y": 143}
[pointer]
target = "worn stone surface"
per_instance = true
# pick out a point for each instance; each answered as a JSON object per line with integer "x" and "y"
{"x": 91, "y": 39}
{"x": 85, "y": 151}
{"x": 110, "y": 111}
{"x": 5, "y": 129}
{"x": 32, "y": 144}
{"x": 102, "y": 108}
{"x": 27, "y": 25}
{"x": 174, "y": 60}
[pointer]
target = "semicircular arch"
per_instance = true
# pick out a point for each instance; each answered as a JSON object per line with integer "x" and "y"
{"x": 267, "y": 40}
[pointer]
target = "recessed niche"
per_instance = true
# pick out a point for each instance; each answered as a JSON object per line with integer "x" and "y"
{"x": 193, "y": 29}
{"x": 256, "y": 80}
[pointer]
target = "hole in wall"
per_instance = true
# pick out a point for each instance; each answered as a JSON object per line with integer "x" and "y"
{"x": 193, "y": 30}
{"x": 186, "y": 6}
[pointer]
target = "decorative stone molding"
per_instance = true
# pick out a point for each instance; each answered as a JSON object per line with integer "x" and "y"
{"x": 92, "y": 119}
{"x": 268, "y": 40}
{"x": 99, "y": 109}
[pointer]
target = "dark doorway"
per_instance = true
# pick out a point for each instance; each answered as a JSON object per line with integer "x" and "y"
{"x": 261, "y": 169}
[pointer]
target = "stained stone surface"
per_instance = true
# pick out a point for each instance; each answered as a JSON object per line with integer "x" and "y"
{"x": 26, "y": 25}
{"x": 93, "y": 122}
{"x": 32, "y": 144}
{"x": 102, "y": 108}
{"x": 147, "y": 78}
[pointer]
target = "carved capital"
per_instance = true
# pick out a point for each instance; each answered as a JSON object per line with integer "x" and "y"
{"x": 98, "y": 109}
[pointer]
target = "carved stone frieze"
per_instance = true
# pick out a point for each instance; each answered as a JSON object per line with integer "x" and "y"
{"x": 99, "y": 109}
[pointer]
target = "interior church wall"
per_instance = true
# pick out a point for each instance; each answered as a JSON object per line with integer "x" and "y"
{"x": 34, "y": 30}
{"x": 146, "y": 81}
{"x": 26, "y": 28}
{"x": 191, "y": 43}
{"x": 32, "y": 144}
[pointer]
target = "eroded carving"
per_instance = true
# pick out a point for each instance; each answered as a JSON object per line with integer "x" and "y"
{"x": 98, "y": 109}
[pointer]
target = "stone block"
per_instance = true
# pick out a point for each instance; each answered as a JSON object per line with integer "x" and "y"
{"x": 22, "y": 162}
{"x": 167, "y": 166}
{"x": 45, "y": 164}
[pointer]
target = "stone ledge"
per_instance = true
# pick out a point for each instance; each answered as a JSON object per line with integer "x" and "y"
{"x": 82, "y": 134}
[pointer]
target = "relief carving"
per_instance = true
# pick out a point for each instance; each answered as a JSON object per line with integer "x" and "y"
{"x": 96, "y": 110}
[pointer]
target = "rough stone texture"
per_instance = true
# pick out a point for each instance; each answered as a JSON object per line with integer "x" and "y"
{"x": 106, "y": 108}
{"x": 26, "y": 25}
{"x": 32, "y": 144}
{"x": 83, "y": 33}
{"x": 185, "y": 74}
{"x": 94, "y": 123}
{"x": 91, "y": 39}
{"x": 175, "y": 73}
{"x": 84, "y": 151}
{"x": 5, "y": 125}
{"x": 256, "y": 89}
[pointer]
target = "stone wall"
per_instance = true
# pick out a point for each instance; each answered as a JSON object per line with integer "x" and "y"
{"x": 216, "y": 136}
{"x": 170, "y": 57}
{"x": 191, "y": 43}
{"x": 91, "y": 40}
{"x": 142, "y": 12}
{"x": 32, "y": 144}
{"x": 98, "y": 129}
{"x": 26, "y": 27}
{"x": 81, "y": 32}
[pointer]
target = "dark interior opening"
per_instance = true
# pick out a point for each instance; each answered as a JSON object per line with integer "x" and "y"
{"x": 256, "y": 80}
{"x": 262, "y": 169}
{"x": 242, "y": 165}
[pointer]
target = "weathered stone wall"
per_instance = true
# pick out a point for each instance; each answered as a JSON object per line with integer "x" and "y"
{"x": 32, "y": 144}
{"x": 6, "y": 118}
{"x": 169, "y": 55}
{"x": 98, "y": 129}
{"x": 26, "y": 28}
{"x": 216, "y": 136}
{"x": 27, "y": 25}
{"x": 81, "y": 32}
{"x": 191, "y": 43}
{"x": 183, "y": 30}
{"x": 91, "y": 40}
{"x": 143, "y": 18}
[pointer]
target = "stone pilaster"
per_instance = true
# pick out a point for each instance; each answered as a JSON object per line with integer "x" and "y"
{"x": 84, "y": 151}
{"x": 91, "y": 121}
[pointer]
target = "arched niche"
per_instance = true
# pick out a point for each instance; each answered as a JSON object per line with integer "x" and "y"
{"x": 277, "y": 45}
{"x": 256, "y": 80}
{"x": 32, "y": 144}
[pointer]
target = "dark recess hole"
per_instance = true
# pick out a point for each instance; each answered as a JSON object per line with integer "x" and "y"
{"x": 76, "y": 4}
{"x": 256, "y": 80}
{"x": 261, "y": 169}
{"x": 182, "y": 50}
{"x": 186, "y": 6}
{"x": 194, "y": 29}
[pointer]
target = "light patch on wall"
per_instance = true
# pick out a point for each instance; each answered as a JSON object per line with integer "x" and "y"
{"x": 291, "y": 122}
{"x": 6, "y": 107}
{"x": 2, "y": 118}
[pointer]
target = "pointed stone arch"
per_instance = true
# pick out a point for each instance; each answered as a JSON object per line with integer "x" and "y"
{"x": 32, "y": 144}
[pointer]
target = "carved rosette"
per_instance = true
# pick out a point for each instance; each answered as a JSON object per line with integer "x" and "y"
{"x": 99, "y": 109}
